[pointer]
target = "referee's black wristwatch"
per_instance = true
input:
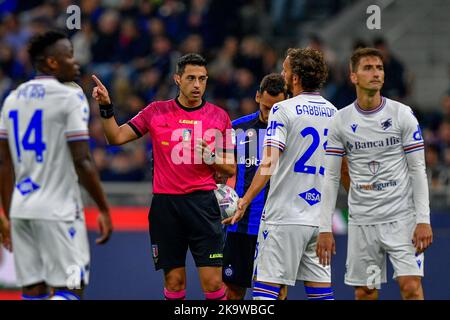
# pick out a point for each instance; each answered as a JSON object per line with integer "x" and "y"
{"x": 106, "y": 110}
{"x": 210, "y": 159}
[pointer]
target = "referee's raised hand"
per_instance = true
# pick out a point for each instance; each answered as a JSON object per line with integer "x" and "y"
{"x": 100, "y": 93}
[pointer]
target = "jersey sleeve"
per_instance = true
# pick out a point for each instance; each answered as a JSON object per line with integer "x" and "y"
{"x": 411, "y": 134}
{"x": 276, "y": 133}
{"x": 141, "y": 122}
{"x": 415, "y": 156}
{"x": 334, "y": 146}
{"x": 77, "y": 118}
{"x": 333, "y": 162}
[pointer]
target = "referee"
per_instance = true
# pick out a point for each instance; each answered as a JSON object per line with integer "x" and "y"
{"x": 192, "y": 140}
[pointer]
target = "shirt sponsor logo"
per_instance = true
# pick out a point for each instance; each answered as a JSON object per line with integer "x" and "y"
{"x": 377, "y": 186}
{"x": 27, "y": 186}
{"x": 250, "y": 161}
{"x": 361, "y": 145}
{"x": 311, "y": 196}
{"x": 216, "y": 256}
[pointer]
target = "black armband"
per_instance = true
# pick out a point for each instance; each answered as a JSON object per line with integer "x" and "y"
{"x": 106, "y": 110}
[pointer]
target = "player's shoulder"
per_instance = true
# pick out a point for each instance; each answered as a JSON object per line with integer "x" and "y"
{"x": 347, "y": 110}
{"x": 397, "y": 107}
{"x": 244, "y": 121}
{"x": 220, "y": 114}
{"x": 159, "y": 107}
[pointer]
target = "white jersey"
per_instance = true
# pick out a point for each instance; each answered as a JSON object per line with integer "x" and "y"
{"x": 298, "y": 127}
{"x": 39, "y": 119}
{"x": 376, "y": 144}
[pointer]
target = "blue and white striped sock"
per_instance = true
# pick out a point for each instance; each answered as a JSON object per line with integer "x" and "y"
{"x": 262, "y": 291}
{"x": 319, "y": 293}
{"x": 65, "y": 295}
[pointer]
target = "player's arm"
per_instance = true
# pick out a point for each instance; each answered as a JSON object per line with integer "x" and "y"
{"x": 325, "y": 242}
{"x": 114, "y": 134}
{"x": 89, "y": 179}
{"x": 334, "y": 164}
{"x": 6, "y": 191}
{"x": 345, "y": 176}
{"x": 423, "y": 235}
{"x": 413, "y": 146}
{"x": 266, "y": 169}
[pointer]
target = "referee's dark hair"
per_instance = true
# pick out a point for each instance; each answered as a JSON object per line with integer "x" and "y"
{"x": 192, "y": 59}
{"x": 40, "y": 46}
{"x": 273, "y": 84}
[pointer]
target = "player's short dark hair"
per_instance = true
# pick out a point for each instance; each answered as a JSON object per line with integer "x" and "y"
{"x": 40, "y": 43}
{"x": 273, "y": 84}
{"x": 360, "y": 53}
{"x": 190, "y": 58}
{"x": 309, "y": 65}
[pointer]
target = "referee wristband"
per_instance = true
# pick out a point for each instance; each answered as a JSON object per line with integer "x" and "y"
{"x": 106, "y": 110}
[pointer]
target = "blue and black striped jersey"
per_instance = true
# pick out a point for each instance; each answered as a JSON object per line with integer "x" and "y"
{"x": 250, "y": 132}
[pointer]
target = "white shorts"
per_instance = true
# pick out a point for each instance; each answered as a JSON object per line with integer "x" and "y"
{"x": 367, "y": 249}
{"x": 287, "y": 253}
{"x": 54, "y": 252}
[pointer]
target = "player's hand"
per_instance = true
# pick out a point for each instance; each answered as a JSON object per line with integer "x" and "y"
{"x": 241, "y": 208}
{"x": 105, "y": 227}
{"x": 5, "y": 233}
{"x": 325, "y": 247}
{"x": 423, "y": 237}
{"x": 202, "y": 148}
{"x": 100, "y": 93}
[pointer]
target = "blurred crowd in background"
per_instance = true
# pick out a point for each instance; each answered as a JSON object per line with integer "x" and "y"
{"x": 133, "y": 45}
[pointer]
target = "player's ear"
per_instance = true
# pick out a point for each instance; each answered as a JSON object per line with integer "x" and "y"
{"x": 353, "y": 78}
{"x": 295, "y": 80}
{"x": 51, "y": 63}
{"x": 258, "y": 96}
{"x": 177, "y": 79}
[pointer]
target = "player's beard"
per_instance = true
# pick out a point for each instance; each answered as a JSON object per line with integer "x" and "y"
{"x": 289, "y": 87}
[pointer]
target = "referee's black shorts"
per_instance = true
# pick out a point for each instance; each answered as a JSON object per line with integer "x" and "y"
{"x": 179, "y": 222}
